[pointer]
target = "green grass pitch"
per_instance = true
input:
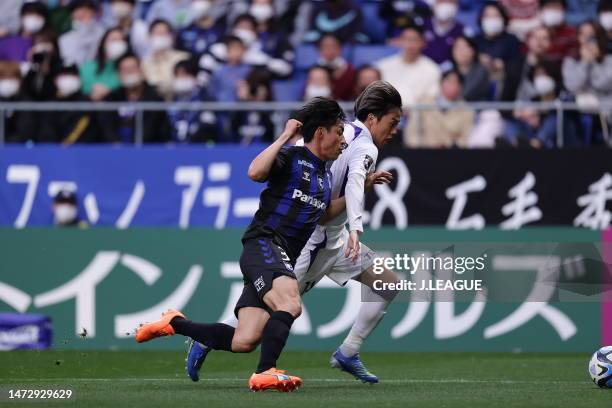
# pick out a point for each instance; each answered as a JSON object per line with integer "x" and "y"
{"x": 155, "y": 379}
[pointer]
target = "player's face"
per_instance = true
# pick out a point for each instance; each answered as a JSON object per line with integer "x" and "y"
{"x": 332, "y": 142}
{"x": 385, "y": 128}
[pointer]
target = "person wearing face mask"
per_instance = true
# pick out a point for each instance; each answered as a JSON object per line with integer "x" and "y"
{"x": 175, "y": 12}
{"x": 81, "y": 43}
{"x": 518, "y": 84}
{"x": 68, "y": 127}
{"x": 120, "y": 126}
{"x": 604, "y": 18}
{"x": 121, "y": 13}
{"x": 442, "y": 30}
{"x": 563, "y": 36}
{"x": 539, "y": 128}
{"x": 330, "y": 56}
{"x": 523, "y": 15}
{"x": 189, "y": 126}
{"x": 589, "y": 78}
{"x": 274, "y": 42}
{"x": 33, "y": 20}
{"x": 442, "y": 128}
{"x": 253, "y": 127}
{"x": 99, "y": 76}
{"x": 496, "y": 46}
{"x": 159, "y": 64}
{"x": 66, "y": 211}
{"x": 318, "y": 83}
{"x": 205, "y": 29}
{"x": 19, "y": 126}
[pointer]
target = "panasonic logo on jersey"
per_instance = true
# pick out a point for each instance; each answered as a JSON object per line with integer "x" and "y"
{"x": 305, "y": 163}
{"x": 308, "y": 199}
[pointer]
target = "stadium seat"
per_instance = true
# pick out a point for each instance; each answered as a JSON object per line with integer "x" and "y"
{"x": 373, "y": 26}
{"x": 289, "y": 90}
{"x": 369, "y": 54}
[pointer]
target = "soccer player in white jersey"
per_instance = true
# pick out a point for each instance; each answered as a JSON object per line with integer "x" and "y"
{"x": 336, "y": 252}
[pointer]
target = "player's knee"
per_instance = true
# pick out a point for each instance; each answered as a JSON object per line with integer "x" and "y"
{"x": 293, "y": 307}
{"x": 244, "y": 345}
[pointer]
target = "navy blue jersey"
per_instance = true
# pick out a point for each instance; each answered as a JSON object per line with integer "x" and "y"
{"x": 297, "y": 195}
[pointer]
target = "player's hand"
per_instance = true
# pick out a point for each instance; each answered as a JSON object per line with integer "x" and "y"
{"x": 378, "y": 177}
{"x": 292, "y": 128}
{"x": 353, "y": 248}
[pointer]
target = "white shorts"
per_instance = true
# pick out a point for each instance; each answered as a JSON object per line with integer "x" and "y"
{"x": 316, "y": 261}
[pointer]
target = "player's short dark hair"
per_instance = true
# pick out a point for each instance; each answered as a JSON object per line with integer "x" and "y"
{"x": 379, "y": 98}
{"x": 318, "y": 112}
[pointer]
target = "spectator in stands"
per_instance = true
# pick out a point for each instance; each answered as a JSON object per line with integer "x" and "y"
{"x": 15, "y": 47}
{"x": 137, "y": 30}
{"x": 563, "y": 36}
{"x": 401, "y": 13}
{"x": 204, "y": 30}
{"x": 59, "y": 16}
{"x": 279, "y": 63}
{"x": 540, "y": 127}
{"x": 340, "y": 17}
{"x": 442, "y": 30}
{"x": 518, "y": 82}
{"x": 273, "y": 41}
{"x": 9, "y": 16}
{"x": 343, "y": 73}
{"x": 176, "y": 12}
{"x": 190, "y": 126}
{"x": 318, "y": 83}
{"x": 99, "y": 76}
{"x": 366, "y": 74}
{"x": 589, "y": 77}
{"x": 158, "y": 66}
{"x": 81, "y": 43}
{"x": 68, "y": 127}
{"x": 19, "y": 126}
{"x": 604, "y": 17}
{"x": 415, "y": 76}
{"x": 225, "y": 78}
{"x": 43, "y": 64}
{"x": 443, "y": 127}
{"x": 66, "y": 211}
{"x": 524, "y": 16}
{"x": 476, "y": 83}
{"x": 497, "y": 47}
{"x": 254, "y": 127}
{"x": 121, "y": 126}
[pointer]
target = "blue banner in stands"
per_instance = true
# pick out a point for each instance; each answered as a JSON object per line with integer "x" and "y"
{"x": 122, "y": 187}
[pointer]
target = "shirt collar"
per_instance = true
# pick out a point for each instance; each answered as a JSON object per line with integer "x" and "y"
{"x": 357, "y": 124}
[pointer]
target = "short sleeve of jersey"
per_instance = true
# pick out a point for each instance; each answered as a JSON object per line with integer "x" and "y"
{"x": 281, "y": 163}
{"x": 363, "y": 160}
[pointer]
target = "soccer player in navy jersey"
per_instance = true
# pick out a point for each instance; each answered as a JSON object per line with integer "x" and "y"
{"x": 296, "y": 199}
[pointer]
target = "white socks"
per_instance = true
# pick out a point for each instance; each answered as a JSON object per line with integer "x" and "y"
{"x": 369, "y": 315}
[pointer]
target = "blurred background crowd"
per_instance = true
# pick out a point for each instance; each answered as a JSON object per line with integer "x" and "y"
{"x": 445, "y": 54}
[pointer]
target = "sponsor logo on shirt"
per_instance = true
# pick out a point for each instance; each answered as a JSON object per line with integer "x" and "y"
{"x": 305, "y": 198}
{"x": 306, "y": 163}
{"x": 367, "y": 162}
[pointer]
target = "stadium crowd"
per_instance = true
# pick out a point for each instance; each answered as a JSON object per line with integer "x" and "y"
{"x": 435, "y": 52}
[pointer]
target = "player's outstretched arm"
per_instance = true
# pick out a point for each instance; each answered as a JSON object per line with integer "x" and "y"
{"x": 259, "y": 169}
{"x": 338, "y": 205}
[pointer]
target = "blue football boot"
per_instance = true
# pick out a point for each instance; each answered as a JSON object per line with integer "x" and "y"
{"x": 353, "y": 366}
{"x": 195, "y": 358}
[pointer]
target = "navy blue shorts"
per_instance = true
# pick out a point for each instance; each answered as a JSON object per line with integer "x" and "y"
{"x": 261, "y": 262}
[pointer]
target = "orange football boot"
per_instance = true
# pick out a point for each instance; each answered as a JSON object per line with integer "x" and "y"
{"x": 274, "y": 379}
{"x": 159, "y": 328}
